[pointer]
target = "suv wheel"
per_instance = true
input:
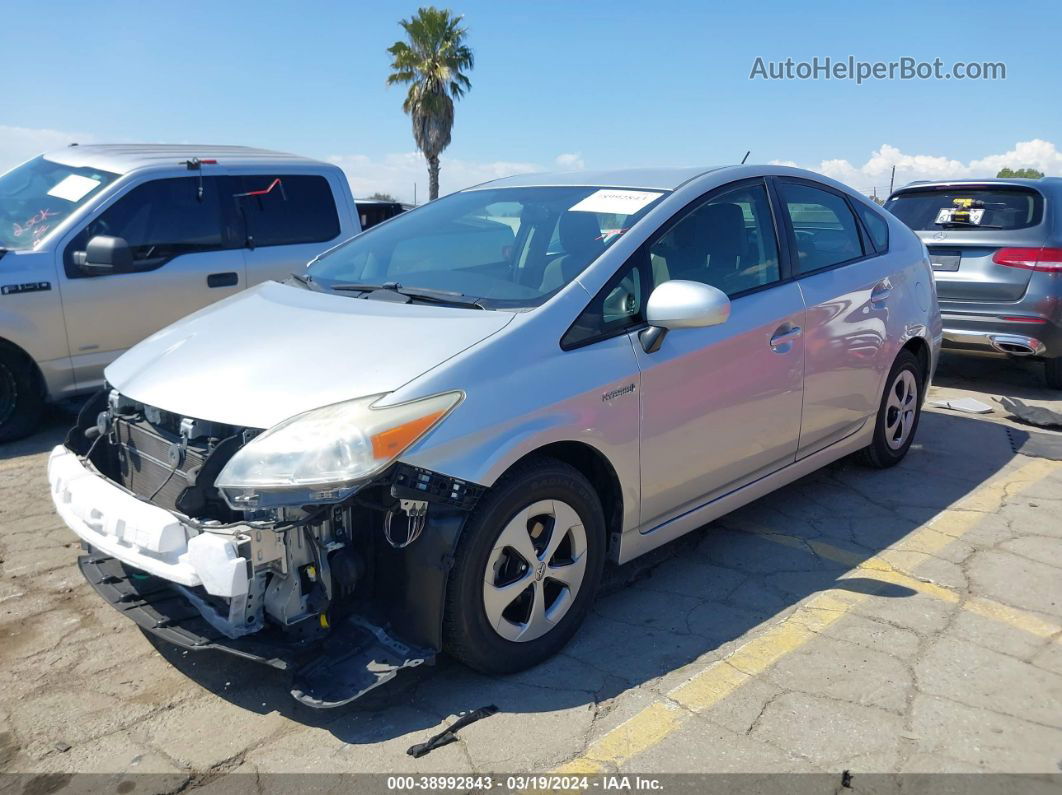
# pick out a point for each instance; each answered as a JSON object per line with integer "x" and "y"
{"x": 21, "y": 402}
{"x": 526, "y": 568}
{"x": 898, "y": 414}
{"x": 1053, "y": 371}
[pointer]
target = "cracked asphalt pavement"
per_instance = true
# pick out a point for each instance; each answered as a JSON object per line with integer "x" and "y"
{"x": 900, "y": 621}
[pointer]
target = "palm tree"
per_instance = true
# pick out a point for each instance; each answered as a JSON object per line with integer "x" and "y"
{"x": 433, "y": 61}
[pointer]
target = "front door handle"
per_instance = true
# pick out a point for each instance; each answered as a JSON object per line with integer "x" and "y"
{"x": 881, "y": 291}
{"x": 784, "y": 336}
{"x": 229, "y": 279}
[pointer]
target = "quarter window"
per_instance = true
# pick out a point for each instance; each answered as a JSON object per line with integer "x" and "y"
{"x": 826, "y": 230}
{"x": 286, "y": 209}
{"x": 159, "y": 220}
{"x": 876, "y": 226}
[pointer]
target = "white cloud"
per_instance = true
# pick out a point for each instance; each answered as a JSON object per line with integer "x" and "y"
{"x": 396, "y": 173}
{"x": 18, "y": 144}
{"x": 570, "y": 161}
{"x": 874, "y": 173}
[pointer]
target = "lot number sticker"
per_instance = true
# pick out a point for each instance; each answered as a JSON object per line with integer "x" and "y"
{"x": 621, "y": 202}
{"x": 73, "y": 188}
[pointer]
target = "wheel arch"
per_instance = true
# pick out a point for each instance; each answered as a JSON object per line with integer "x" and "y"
{"x": 13, "y": 349}
{"x": 595, "y": 467}
{"x": 919, "y": 346}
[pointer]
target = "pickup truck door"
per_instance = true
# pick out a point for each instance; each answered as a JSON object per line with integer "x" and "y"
{"x": 185, "y": 256}
{"x": 288, "y": 219}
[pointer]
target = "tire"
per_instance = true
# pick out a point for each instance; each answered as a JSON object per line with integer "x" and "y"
{"x": 491, "y": 624}
{"x": 898, "y": 414}
{"x": 1053, "y": 371}
{"x": 21, "y": 401}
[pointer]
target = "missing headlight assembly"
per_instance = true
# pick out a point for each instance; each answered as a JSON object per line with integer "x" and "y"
{"x": 344, "y": 589}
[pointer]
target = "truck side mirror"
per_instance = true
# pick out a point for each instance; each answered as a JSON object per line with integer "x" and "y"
{"x": 106, "y": 254}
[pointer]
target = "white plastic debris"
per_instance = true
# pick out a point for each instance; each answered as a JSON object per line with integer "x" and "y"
{"x": 969, "y": 405}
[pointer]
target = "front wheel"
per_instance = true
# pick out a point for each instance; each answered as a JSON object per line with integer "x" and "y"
{"x": 21, "y": 402}
{"x": 898, "y": 414}
{"x": 526, "y": 568}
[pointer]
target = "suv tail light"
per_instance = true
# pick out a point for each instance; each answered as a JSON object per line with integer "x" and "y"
{"x": 1033, "y": 259}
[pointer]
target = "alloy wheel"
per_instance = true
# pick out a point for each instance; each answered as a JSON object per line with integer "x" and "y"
{"x": 900, "y": 409}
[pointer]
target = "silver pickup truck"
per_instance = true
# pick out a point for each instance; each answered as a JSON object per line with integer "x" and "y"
{"x": 101, "y": 246}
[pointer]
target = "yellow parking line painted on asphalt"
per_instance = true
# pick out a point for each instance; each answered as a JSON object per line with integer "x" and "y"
{"x": 886, "y": 572}
{"x": 720, "y": 678}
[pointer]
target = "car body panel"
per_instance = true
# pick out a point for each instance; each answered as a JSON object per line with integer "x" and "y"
{"x": 720, "y": 405}
{"x": 286, "y": 350}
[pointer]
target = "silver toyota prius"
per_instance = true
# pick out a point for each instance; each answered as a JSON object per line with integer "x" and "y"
{"x": 437, "y": 435}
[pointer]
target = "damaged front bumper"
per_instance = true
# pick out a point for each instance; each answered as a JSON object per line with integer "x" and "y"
{"x": 169, "y": 575}
{"x": 357, "y": 657}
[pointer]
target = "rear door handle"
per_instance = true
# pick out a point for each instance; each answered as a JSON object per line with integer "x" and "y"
{"x": 229, "y": 279}
{"x": 783, "y": 336}
{"x": 881, "y": 291}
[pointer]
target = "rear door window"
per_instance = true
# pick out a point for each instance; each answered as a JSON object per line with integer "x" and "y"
{"x": 286, "y": 209}
{"x": 926, "y": 209}
{"x": 824, "y": 226}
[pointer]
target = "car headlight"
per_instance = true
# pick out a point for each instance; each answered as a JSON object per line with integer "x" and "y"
{"x": 324, "y": 454}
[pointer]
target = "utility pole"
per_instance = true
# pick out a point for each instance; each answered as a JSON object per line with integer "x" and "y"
{"x": 892, "y": 179}
{"x": 414, "y": 194}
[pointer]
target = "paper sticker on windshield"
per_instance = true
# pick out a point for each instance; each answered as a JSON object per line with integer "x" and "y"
{"x": 621, "y": 202}
{"x": 74, "y": 188}
{"x": 950, "y": 215}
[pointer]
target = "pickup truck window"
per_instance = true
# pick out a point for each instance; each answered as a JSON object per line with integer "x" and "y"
{"x": 160, "y": 220}
{"x": 286, "y": 209}
{"x": 36, "y": 196}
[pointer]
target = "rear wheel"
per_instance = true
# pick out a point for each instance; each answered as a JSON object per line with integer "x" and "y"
{"x": 898, "y": 414}
{"x": 1053, "y": 371}
{"x": 21, "y": 402}
{"x": 526, "y": 568}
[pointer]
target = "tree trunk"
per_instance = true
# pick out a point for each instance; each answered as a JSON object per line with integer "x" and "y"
{"x": 433, "y": 178}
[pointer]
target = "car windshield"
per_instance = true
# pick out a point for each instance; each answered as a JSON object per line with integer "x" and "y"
{"x": 925, "y": 209}
{"x": 36, "y": 196}
{"x": 502, "y": 247}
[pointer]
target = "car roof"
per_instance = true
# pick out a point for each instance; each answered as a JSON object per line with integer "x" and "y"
{"x": 123, "y": 158}
{"x": 655, "y": 178}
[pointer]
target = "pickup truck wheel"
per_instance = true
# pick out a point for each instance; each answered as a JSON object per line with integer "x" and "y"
{"x": 898, "y": 414}
{"x": 526, "y": 568}
{"x": 21, "y": 402}
{"x": 1053, "y": 371}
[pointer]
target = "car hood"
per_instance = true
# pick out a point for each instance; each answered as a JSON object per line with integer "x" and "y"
{"x": 276, "y": 350}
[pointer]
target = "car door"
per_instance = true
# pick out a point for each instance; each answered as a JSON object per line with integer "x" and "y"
{"x": 721, "y": 405}
{"x": 288, "y": 220}
{"x": 845, "y": 285}
{"x": 184, "y": 258}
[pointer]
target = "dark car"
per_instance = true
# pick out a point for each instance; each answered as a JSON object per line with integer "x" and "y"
{"x": 375, "y": 211}
{"x": 996, "y": 250}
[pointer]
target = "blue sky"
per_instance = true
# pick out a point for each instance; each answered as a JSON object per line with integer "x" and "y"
{"x": 598, "y": 84}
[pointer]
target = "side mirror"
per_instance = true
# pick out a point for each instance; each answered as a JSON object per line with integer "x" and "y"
{"x": 682, "y": 304}
{"x": 105, "y": 254}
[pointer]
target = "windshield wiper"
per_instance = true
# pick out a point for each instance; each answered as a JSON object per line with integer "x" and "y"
{"x": 306, "y": 280}
{"x": 414, "y": 293}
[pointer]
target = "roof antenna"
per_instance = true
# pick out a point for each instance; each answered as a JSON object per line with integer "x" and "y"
{"x": 746, "y": 157}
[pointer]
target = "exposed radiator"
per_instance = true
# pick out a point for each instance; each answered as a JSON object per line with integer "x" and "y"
{"x": 147, "y": 462}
